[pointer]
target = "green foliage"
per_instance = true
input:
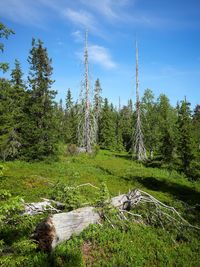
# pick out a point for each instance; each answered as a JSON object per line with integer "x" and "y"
{"x": 39, "y": 127}
{"x": 107, "y": 134}
{"x": 95, "y": 150}
{"x": 128, "y": 243}
{"x": 196, "y": 129}
{"x": 126, "y": 125}
{"x": 150, "y": 122}
{"x": 6, "y": 120}
{"x": 68, "y": 195}
{"x": 16, "y": 247}
{"x": 185, "y": 139}
{"x": 139, "y": 245}
{"x": 119, "y": 136}
{"x": 1, "y": 170}
{"x": 24, "y": 246}
{"x": 103, "y": 196}
{"x": 194, "y": 170}
{"x": 167, "y": 121}
{"x": 10, "y": 207}
{"x": 65, "y": 256}
{"x": 4, "y": 33}
{"x": 70, "y": 120}
{"x": 16, "y": 79}
{"x": 72, "y": 150}
{"x": 97, "y": 106}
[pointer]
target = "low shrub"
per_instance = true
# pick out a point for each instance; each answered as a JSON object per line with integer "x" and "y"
{"x": 72, "y": 150}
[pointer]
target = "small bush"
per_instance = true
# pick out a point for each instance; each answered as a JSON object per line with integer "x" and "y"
{"x": 1, "y": 170}
{"x": 95, "y": 151}
{"x": 72, "y": 150}
{"x": 69, "y": 195}
{"x": 104, "y": 195}
{"x": 67, "y": 255}
{"x": 153, "y": 164}
{"x": 194, "y": 170}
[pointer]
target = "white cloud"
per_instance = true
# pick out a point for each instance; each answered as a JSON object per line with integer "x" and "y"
{"x": 21, "y": 11}
{"x": 78, "y": 36}
{"x": 111, "y": 9}
{"x": 90, "y": 14}
{"x": 101, "y": 56}
{"x": 81, "y": 18}
{"x": 104, "y": 7}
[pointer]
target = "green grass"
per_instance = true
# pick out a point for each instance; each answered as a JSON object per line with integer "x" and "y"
{"x": 139, "y": 245}
{"x": 34, "y": 180}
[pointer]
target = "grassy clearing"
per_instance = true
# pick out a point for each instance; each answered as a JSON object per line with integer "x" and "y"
{"x": 34, "y": 180}
{"x": 136, "y": 245}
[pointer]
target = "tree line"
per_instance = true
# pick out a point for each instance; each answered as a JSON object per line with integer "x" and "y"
{"x": 32, "y": 123}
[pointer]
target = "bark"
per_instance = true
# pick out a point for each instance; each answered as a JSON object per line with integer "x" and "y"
{"x": 61, "y": 226}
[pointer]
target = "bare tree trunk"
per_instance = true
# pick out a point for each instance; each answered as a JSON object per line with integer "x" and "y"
{"x": 86, "y": 131}
{"x": 138, "y": 143}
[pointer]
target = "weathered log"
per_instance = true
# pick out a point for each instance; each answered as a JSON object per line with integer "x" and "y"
{"x": 61, "y": 226}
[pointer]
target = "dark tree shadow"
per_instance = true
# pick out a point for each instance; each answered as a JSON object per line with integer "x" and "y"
{"x": 125, "y": 156}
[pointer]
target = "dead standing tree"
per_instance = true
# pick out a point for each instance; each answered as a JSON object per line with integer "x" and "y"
{"x": 86, "y": 125}
{"x": 138, "y": 142}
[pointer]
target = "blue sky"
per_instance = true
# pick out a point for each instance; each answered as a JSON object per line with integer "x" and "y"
{"x": 168, "y": 34}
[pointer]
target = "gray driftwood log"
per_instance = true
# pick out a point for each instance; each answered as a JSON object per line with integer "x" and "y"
{"x": 61, "y": 226}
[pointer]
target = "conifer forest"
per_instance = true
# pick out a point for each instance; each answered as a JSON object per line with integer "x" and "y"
{"x": 86, "y": 181}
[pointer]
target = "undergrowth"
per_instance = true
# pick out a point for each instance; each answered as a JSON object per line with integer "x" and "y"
{"x": 128, "y": 244}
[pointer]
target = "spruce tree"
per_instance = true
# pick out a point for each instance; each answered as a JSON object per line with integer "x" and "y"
{"x": 150, "y": 122}
{"x": 6, "y": 119}
{"x": 39, "y": 128}
{"x": 60, "y": 120}
{"x": 4, "y": 33}
{"x": 18, "y": 94}
{"x": 127, "y": 123}
{"x": 196, "y": 128}
{"x": 11, "y": 115}
{"x": 119, "y": 130}
{"x": 167, "y": 121}
{"x": 69, "y": 101}
{"x": 70, "y": 120}
{"x": 185, "y": 141}
{"x": 107, "y": 134}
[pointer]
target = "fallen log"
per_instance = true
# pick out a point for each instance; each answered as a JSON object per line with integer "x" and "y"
{"x": 61, "y": 226}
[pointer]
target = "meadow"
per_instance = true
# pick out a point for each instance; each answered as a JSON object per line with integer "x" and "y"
{"x": 126, "y": 245}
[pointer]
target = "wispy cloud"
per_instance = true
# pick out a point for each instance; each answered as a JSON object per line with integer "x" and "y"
{"x": 81, "y": 18}
{"x": 96, "y": 15}
{"x": 21, "y": 11}
{"x": 111, "y": 9}
{"x": 104, "y": 7}
{"x": 78, "y": 36}
{"x": 101, "y": 56}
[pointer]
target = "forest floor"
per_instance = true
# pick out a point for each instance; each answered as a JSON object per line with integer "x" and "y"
{"x": 138, "y": 244}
